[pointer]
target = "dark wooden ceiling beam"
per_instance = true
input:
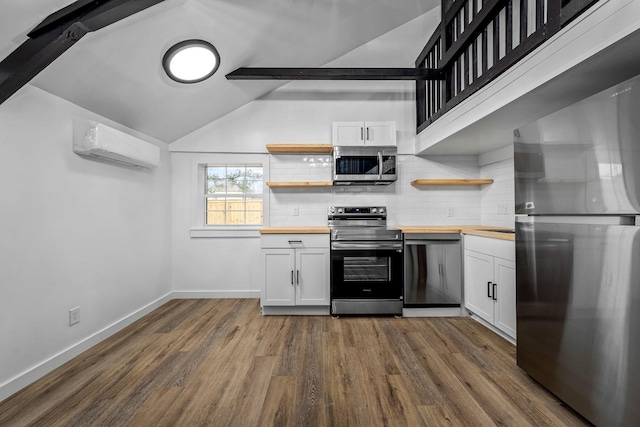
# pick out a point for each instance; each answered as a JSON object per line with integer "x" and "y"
{"x": 57, "y": 33}
{"x": 249, "y": 73}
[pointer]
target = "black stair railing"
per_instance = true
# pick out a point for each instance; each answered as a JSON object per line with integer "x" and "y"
{"x": 477, "y": 40}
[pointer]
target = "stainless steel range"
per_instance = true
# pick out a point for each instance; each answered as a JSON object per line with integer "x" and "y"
{"x": 366, "y": 262}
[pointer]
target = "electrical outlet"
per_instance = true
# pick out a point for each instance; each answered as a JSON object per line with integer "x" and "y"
{"x": 296, "y": 211}
{"x": 74, "y": 316}
{"x": 503, "y": 208}
{"x": 450, "y": 212}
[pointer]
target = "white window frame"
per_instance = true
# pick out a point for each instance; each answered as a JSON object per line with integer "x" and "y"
{"x": 199, "y": 162}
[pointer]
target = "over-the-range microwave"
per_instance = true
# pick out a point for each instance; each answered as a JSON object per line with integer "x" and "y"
{"x": 364, "y": 165}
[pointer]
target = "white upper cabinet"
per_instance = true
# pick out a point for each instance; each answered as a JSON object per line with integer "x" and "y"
{"x": 364, "y": 133}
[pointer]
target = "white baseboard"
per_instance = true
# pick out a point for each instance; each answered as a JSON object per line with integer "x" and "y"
{"x": 434, "y": 312}
{"x": 310, "y": 310}
{"x": 31, "y": 375}
{"x": 215, "y": 294}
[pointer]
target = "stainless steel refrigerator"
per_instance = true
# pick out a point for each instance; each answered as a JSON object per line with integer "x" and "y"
{"x": 577, "y": 181}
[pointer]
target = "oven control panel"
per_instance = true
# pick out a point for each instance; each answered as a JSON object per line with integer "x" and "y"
{"x": 357, "y": 211}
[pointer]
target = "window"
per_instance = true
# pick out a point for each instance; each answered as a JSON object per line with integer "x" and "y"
{"x": 233, "y": 194}
{"x": 222, "y": 178}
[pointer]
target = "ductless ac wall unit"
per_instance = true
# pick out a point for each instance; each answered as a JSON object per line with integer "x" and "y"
{"x": 102, "y": 142}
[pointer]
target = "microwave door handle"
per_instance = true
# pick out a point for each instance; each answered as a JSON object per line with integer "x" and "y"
{"x": 380, "y": 165}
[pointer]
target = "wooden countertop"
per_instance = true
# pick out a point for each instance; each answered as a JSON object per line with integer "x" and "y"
{"x": 295, "y": 230}
{"x": 476, "y": 230}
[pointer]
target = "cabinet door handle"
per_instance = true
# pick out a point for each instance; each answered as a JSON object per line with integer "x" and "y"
{"x": 495, "y": 294}
{"x": 489, "y": 290}
{"x": 292, "y": 277}
{"x": 298, "y": 277}
{"x": 367, "y": 133}
{"x": 361, "y": 133}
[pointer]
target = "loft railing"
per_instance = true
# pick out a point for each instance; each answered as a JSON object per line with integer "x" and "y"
{"x": 477, "y": 40}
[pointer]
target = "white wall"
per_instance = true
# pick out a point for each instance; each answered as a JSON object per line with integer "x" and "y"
{"x": 302, "y": 112}
{"x": 207, "y": 267}
{"x": 116, "y": 241}
{"x": 75, "y": 232}
{"x": 498, "y": 199}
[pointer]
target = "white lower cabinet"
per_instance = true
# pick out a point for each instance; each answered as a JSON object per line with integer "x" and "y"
{"x": 296, "y": 271}
{"x": 490, "y": 281}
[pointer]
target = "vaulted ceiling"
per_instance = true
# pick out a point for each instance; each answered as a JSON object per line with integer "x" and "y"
{"x": 116, "y": 72}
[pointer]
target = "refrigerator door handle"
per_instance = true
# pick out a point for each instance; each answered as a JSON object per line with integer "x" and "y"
{"x": 582, "y": 219}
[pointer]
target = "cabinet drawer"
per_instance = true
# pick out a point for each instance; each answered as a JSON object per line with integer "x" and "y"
{"x": 495, "y": 247}
{"x": 289, "y": 241}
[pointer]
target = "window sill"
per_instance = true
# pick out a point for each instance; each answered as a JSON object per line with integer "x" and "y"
{"x": 235, "y": 232}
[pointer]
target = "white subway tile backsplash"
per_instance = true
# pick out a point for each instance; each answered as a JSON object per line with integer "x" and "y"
{"x": 407, "y": 205}
{"x": 498, "y": 199}
{"x": 300, "y": 167}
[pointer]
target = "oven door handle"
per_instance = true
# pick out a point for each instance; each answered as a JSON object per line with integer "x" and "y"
{"x": 366, "y": 245}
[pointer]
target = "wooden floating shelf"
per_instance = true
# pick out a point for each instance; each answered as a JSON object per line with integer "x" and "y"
{"x": 299, "y": 184}
{"x": 300, "y": 148}
{"x": 421, "y": 182}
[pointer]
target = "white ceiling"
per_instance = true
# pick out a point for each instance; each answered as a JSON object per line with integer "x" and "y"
{"x": 117, "y": 73}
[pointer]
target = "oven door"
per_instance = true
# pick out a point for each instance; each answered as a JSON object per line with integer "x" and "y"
{"x": 366, "y": 273}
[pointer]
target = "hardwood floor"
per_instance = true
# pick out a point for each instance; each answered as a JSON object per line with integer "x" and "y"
{"x": 220, "y": 362}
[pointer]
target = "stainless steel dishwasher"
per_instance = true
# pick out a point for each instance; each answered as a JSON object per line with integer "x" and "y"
{"x": 433, "y": 270}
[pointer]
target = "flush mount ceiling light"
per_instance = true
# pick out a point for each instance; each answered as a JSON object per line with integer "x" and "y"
{"x": 191, "y": 61}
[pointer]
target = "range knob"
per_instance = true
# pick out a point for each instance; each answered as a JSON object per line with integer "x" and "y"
{"x": 339, "y": 210}
{"x": 332, "y": 210}
{"x": 374, "y": 210}
{"x": 381, "y": 210}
